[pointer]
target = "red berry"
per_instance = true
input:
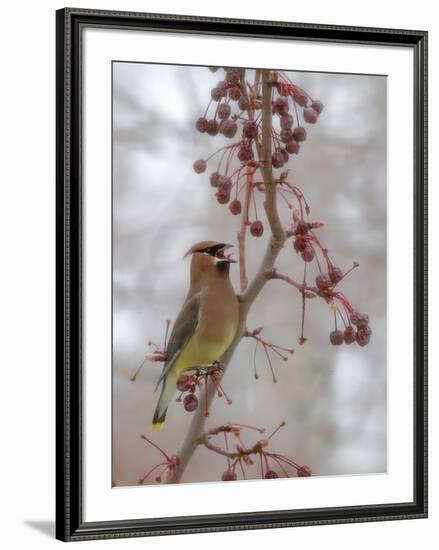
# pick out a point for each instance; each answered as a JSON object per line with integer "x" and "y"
{"x": 323, "y": 281}
{"x": 292, "y": 147}
{"x": 299, "y": 133}
{"x": 310, "y": 116}
{"x": 216, "y": 94}
{"x": 228, "y": 128}
{"x": 317, "y": 106}
{"x": 280, "y": 106}
{"x": 286, "y": 135}
{"x": 184, "y": 382}
{"x": 223, "y": 111}
{"x": 349, "y": 335}
{"x": 271, "y": 474}
{"x": 222, "y": 85}
{"x": 201, "y": 124}
{"x": 245, "y": 153}
{"x": 190, "y": 402}
{"x": 214, "y": 179}
{"x": 300, "y": 243}
{"x": 234, "y": 93}
{"x": 243, "y": 103}
{"x": 360, "y": 320}
{"x": 219, "y": 91}
{"x": 224, "y": 182}
{"x": 223, "y": 195}
{"x": 301, "y": 227}
{"x": 277, "y": 159}
{"x": 363, "y": 336}
{"x": 250, "y": 130}
{"x": 336, "y": 337}
{"x": 200, "y": 166}
{"x": 304, "y": 471}
{"x": 212, "y": 127}
{"x": 300, "y": 97}
{"x": 256, "y": 228}
{"x": 364, "y": 322}
{"x": 286, "y": 122}
{"x": 233, "y": 75}
{"x": 235, "y": 207}
{"x": 229, "y": 475}
{"x": 308, "y": 253}
{"x": 284, "y": 154}
{"x": 336, "y": 274}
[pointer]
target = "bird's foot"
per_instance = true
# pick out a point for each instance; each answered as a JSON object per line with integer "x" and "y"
{"x": 217, "y": 365}
{"x": 207, "y": 369}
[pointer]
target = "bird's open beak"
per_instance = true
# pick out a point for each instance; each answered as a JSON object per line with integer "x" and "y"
{"x": 224, "y": 257}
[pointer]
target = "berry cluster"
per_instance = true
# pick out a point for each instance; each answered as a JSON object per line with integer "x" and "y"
{"x": 361, "y": 321}
{"x": 235, "y": 109}
{"x": 272, "y": 465}
{"x": 287, "y": 132}
{"x": 307, "y": 244}
{"x": 350, "y": 335}
{"x": 188, "y": 384}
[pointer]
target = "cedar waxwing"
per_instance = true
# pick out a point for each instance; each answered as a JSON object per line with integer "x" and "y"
{"x": 206, "y": 324}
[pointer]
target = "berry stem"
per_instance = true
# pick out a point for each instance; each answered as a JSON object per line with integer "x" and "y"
{"x": 223, "y": 150}
{"x": 262, "y": 465}
{"x": 143, "y": 436}
{"x": 207, "y": 108}
{"x": 279, "y": 463}
{"x": 144, "y": 478}
{"x": 270, "y": 363}
{"x": 242, "y": 469}
{"x": 226, "y": 444}
{"x": 139, "y": 368}
{"x": 281, "y": 425}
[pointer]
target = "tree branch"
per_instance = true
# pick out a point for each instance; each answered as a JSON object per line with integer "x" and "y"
{"x": 278, "y": 235}
{"x": 243, "y": 232}
{"x": 310, "y": 291}
{"x": 274, "y": 246}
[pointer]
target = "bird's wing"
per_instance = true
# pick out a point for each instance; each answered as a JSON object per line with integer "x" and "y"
{"x": 184, "y": 327}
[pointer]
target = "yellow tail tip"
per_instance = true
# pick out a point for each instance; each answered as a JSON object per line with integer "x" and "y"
{"x": 157, "y": 426}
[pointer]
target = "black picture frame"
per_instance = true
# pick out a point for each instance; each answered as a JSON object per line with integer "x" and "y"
{"x": 70, "y": 525}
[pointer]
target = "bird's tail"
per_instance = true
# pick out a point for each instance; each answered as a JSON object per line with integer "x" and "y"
{"x": 166, "y": 395}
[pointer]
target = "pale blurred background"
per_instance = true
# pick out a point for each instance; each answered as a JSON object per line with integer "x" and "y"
{"x": 334, "y": 399}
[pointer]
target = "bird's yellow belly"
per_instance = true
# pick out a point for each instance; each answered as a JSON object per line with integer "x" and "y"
{"x": 203, "y": 350}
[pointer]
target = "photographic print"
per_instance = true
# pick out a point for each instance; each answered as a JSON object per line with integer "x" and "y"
{"x": 241, "y": 274}
{"x": 249, "y": 274}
